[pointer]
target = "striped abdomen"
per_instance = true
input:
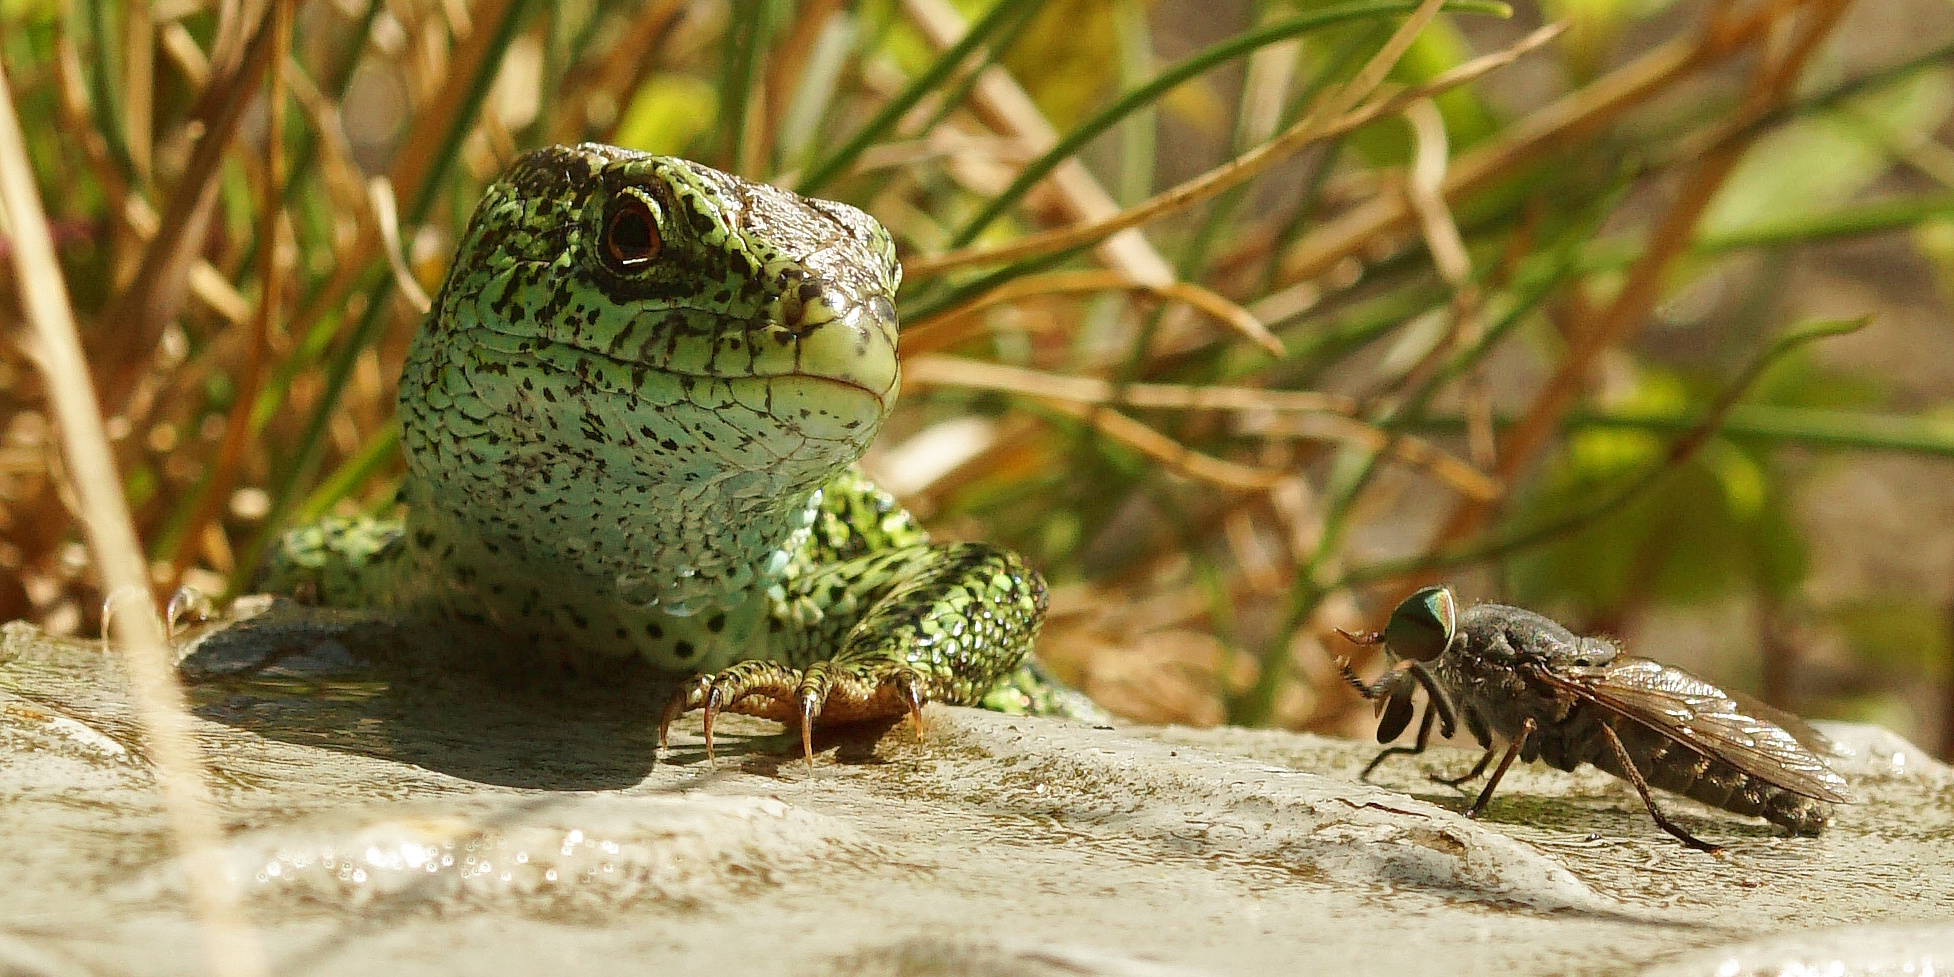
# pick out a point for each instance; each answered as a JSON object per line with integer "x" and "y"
{"x": 1675, "y": 766}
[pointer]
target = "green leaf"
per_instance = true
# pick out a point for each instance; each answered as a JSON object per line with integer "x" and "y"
{"x": 668, "y": 114}
{"x": 1717, "y": 524}
{"x": 1818, "y": 163}
{"x": 1895, "y": 633}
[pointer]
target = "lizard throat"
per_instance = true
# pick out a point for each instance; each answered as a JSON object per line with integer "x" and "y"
{"x": 682, "y": 556}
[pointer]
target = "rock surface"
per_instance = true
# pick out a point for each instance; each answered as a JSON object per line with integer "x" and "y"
{"x": 389, "y": 818}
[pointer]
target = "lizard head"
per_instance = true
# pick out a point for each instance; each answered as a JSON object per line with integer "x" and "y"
{"x": 609, "y": 311}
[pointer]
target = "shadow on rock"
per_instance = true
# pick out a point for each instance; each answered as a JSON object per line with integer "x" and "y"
{"x": 464, "y": 705}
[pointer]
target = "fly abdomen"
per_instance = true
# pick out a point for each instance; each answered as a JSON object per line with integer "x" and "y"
{"x": 1679, "y": 768}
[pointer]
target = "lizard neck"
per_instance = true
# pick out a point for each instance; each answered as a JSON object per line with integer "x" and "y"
{"x": 579, "y": 471}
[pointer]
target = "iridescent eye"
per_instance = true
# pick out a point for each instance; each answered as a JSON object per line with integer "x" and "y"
{"x": 631, "y": 234}
{"x": 1422, "y": 627}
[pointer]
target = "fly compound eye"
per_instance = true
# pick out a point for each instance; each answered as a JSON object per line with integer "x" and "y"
{"x": 1422, "y": 627}
{"x": 631, "y": 238}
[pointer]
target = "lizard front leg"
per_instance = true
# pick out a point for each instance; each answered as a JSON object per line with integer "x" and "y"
{"x": 897, "y": 629}
{"x": 351, "y": 563}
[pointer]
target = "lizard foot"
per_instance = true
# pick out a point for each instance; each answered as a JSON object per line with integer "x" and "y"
{"x": 831, "y": 691}
{"x": 186, "y": 604}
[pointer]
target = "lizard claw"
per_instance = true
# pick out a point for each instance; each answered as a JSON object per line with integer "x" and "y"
{"x": 831, "y": 691}
{"x": 683, "y": 700}
{"x": 810, "y": 708}
{"x": 186, "y": 604}
{"x": 715, "y": 700}
{"x": 910, "y": 690}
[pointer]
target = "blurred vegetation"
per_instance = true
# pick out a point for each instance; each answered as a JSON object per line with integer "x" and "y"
{"x": 1520, "y": 328}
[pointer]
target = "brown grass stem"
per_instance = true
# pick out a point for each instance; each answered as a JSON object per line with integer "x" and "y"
{"x": 415, "y": 162}
{"x": 1574, "y": 117}
{"x": 936, "y": 370}
{"x": 1175, "y": 455}
{"x": 1682, "y": 449}
{"x": 1425, "y": 189}
{"x": 1670, "y": 237}
{"x": 942, "y": 329}
{"x": 632, "y": 57}
{"x": 143, "y": 309}
{"x": 1003, "y": 103}
{"x": 229, "y": 459}
{"x": 1314, "y": 127}
{"x": 1327, "y": 417}
{"x": 231, "y": 948}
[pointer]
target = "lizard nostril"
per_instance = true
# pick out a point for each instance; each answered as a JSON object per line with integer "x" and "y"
{"x": 792, "y": 310}
{"x": 809, "y": 307}
{"x": 881, "y": 308}
{"x": 813, "y": 303}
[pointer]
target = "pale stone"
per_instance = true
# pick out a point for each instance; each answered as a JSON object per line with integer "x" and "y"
{"x": 428, "y": 819}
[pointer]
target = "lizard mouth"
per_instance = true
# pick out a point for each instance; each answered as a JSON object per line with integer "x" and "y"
{"x": 842, "y": 336}
{"x": 825, "y": 338}
{"x": 815, "y": 330}
{"x": 820, "y": 358}
{"x": 838, "y": 385}
{"x": 821, "y": 398}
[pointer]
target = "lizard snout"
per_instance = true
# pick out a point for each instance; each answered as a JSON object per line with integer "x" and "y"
{"x": 841, "y": 334}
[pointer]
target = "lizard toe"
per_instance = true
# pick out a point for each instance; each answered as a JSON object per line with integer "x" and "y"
{"x": 824, "y": 691}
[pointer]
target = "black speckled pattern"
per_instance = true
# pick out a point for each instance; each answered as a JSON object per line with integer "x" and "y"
{"x": 656, "y": 459}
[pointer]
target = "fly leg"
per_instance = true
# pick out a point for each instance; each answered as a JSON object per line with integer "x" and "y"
{"x": 1512, "y": 751}
{"x": 1424, "y": 739}
{"x": 1642, "y": 787}
{"x": 1363, "y": 688}
{"x": 1473, "y": 774}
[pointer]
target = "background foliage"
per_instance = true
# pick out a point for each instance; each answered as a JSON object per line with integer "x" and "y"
{"x": 1523, "y": 334}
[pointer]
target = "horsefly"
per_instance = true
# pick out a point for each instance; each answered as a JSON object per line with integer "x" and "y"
{"x": 1552, "y": 695}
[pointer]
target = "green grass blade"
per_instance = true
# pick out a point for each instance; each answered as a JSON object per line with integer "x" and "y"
{"x": 1804, "y": 427}
{"x": 814, "y": 94}
{"x": 884, "y": 121}
{"x": 1137, "y": 151}
{"x": 1197, "y": 64}
{"x": 1509, "y": 541}
{"x": 736, "y": 70}
{"x": 1000, "y": 43}
{"x": 379, "y": 451}
{"x": 104, "y": 104}
{"x": 1856, "y": 221}
{"x": 966, "y": 291}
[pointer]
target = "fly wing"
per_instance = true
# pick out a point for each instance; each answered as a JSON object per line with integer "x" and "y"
{"x": 1805, "y": 733}
{"x": 1705, "y": 718}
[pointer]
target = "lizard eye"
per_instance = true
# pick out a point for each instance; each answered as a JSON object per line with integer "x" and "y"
{"x": 631, "y": 238}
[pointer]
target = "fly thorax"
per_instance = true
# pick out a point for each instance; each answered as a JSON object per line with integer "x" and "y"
{"x": 1489, "y": 683}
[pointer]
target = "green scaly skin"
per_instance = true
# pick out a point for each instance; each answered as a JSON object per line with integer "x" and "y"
{"x": 626, "y": 447}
